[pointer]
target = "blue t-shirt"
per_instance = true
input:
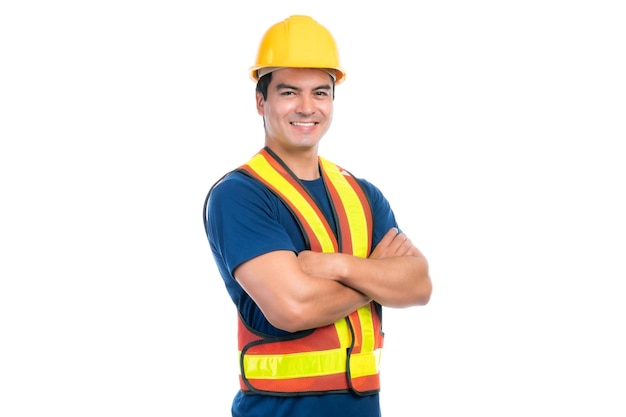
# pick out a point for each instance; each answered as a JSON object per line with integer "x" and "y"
{"x": 245, "y": 220}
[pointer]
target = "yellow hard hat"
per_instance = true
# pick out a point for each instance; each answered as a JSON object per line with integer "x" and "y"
{"x": 298, "y": 42}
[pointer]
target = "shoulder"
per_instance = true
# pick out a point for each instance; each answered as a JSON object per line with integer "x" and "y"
{"x": 374, "y": 194}
{"x": 237, "y": 199}
{"x": 369, "y": 187}
{"x": 235, "y": 180}
{"x": 371, "y": 190}
{"x": 237, "y": 188}
{"x": 384, "y": 217}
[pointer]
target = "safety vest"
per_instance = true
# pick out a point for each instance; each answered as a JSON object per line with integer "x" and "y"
{"x": 341, "y": 357}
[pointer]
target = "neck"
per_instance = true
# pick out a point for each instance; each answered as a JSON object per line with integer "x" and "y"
{"x": 304, "y": 164}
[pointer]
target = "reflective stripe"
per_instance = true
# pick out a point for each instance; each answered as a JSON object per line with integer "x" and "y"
{"x": 364, "y": 364}
{"x": 357, "y": 220}
{"x": 263, "y": 168}
{"x": 307, "y": 364}
{"x": 367, "y": 327}
{"x": 343, "y": 333}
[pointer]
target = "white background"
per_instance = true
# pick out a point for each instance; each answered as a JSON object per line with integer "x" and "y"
{"x": 496, "y": 130}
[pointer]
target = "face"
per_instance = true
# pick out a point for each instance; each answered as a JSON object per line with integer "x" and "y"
{"x": 298, "y": 109}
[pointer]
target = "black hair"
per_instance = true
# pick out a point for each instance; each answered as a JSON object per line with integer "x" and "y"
{"x": 264, "y": 82}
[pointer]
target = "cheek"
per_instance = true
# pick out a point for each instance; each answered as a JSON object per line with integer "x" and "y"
{"x": 329, "y": 111}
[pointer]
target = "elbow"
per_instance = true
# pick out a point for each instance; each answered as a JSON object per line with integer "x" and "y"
{"x": 288, "y": 319}
{"x": 289, "y": 325}
{"x": 425, "y": 285}
{"x": 423, "y": 288}
{"x": 417, "y": 295}
{"x": 424, "y": 292}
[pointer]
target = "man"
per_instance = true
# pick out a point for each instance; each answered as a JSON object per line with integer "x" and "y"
{"x": 309, "y": 254}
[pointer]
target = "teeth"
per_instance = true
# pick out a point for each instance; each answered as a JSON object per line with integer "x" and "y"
{"x": 302, "y": 124}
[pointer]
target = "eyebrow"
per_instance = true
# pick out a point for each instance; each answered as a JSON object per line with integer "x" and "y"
{"x": 281, "y": 86}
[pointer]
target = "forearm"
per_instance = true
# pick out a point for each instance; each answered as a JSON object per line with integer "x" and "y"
{"x": 325, "y": 302}
{"x": 399, "y": 281}
{"x": 292, "y": 299}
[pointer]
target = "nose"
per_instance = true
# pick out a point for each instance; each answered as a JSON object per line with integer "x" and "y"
{"x": 305, "y": 105}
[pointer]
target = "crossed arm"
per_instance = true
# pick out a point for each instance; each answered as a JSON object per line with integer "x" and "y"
{"x": 311, "y": 289}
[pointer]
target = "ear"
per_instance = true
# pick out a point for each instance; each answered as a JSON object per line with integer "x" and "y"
{"x": 260, "y": 104}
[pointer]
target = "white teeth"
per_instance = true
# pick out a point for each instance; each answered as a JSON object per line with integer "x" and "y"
{"x": 302, "y": 124}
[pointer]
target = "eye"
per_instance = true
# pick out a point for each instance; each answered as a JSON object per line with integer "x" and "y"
{"x": 287, "y": 93}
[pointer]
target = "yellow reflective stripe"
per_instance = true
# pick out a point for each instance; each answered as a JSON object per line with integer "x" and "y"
{"x": 367, "y": 328}
{"x": 270, "y": 174}
{"x": 356, "y": 214}
{"x": 364, "y": 364}
{"x": 308, "y": 364}
{"x": 343, "y": 333}
{"x": 295, "y": 365}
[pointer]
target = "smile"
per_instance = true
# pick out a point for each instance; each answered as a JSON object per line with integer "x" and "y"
{"x": 308, "y": 124}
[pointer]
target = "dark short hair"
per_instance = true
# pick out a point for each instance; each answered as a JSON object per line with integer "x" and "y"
{"x": 264, "y": 82}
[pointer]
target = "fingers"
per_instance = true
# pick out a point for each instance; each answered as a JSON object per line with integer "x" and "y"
{"x": 400, "y": 244}
{"x": 393, "y": 244}
{"x": 389, "y": 237}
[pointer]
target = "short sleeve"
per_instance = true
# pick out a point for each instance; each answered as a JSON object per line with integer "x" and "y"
{"x": 243, "y": 221}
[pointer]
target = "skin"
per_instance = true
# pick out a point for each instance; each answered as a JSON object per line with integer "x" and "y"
{"x": 308, "y": 290}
